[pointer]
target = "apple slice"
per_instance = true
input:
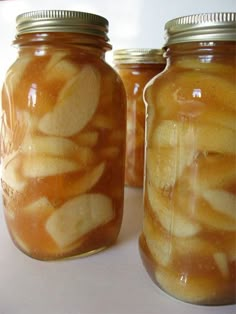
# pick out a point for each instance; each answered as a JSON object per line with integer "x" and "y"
{"x": 159, "y": 245}
{"x": 101, "y": 121}
{"x": 193, "y": 204}
{"x": 84, "y": 183}
{"x": 42, "y": 166}
{"x": 171, "y": 219}
{"x": 165, "y": 165}
{"x": 59, "y": 68}
{"x": 201, "y": 87}
{"x": 52, "y": 145}
{"x": 28, "y": 120}
{"x": 210, "y": 172}
{"x": 216, "y": 139}
{"x": 195, "y": 135}
{"x": 41, "y": 205}
{"x": 223, "y": 118}
{"x": 222, "y": 201}
{"x": 77, "y": 102}
{"x": 85, "y": 156}
{"x": 79, "y": 216}
{"x": 16, "y": 71}
{"x": 110, "y": 152}
{"x": 88, "y": 139}
{"x": 193, "y": 246}
{"x": 11, "y": 174}
{"x": 222, "y": 263}
{"x": 55, "y": 58}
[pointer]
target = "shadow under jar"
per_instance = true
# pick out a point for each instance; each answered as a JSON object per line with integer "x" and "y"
{"x": 136, "y": 68}
{"x": 188, "y": 243}
{"x": 62, "y": 137}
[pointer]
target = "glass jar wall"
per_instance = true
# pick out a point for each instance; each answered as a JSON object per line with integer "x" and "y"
{"x": 189, "y": 228}
{"x": 136, "y": 67}
{"x": 62, "y": 137}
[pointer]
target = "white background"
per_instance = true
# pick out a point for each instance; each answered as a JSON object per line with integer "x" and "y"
{"x": 113, "y": 281}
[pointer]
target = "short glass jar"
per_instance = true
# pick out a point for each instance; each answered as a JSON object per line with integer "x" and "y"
{"x": 189, "y": 229}
{"x": 62, "y": 137}
{"x": 136, "y": 67}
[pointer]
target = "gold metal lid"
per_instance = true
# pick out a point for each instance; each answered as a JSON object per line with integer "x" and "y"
{"x": 201, "y": 27}
{"x": 62, "y": 21}
{"x": 142, "y": 55}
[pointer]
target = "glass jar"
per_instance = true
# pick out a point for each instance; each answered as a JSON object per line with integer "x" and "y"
{"x": 189, "y": 228}
{"x": 62, "y": 137}
{"x": 136, "y": 67}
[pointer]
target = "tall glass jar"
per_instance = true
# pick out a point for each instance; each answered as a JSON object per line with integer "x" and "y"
{"x": 189, "y": 229}
{"x": 136, "y": 67}
{"x": 62, "y": 137}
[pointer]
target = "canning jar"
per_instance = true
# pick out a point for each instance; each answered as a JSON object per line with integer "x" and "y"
{"x": 136, "y": 67}
{"x": 63, "y": 136}
{"x": 189, "y": 229}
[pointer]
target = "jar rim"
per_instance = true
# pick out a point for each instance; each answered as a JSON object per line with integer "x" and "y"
{"x": 218, "y": 26}
{"x": 62, "y": 21}
{"x": 138, "y": 55}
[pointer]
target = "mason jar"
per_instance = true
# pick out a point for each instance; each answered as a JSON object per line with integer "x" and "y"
{"x": 63, "y": 137}
{"x": 136, "y": 67}
{"x": 189, "y": 229}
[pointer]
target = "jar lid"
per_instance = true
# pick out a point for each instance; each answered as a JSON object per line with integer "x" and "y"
{"x": 201, "y": 27}
{"x": 62, "y": 21}
{"x": 142, "y": 55}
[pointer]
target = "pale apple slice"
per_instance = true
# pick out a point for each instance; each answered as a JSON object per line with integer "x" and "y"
{"x": 159, "y": 245}
{"x": 211, "y": 90}
{"x": 28, "y": 120}
{"x": 76, "y": 104}
{"x": 59, "y": 68}
{"x": 55, "y": 58}
{"x": 170, "y": 217}
{"x": 110, "y": 152}
{"x": 160, "y": 104}
{"x": 16, "y": 71}
{"x": 213, "y": 138}
{"x": 193, "y": 204}
{"x": 102, "y": 121}
{"x": 42, "y": 166}
{"x": 222, "y": 263}
{"x": 39, "y": 206}
{"x": 79, "y": 216}
{"x": 222, "y": 201}
{"x": 167, "y": 133}
{"x": 166, "y": 164}
{"x": 85, "y": 156}
{"x": 11, "y": 173}
{"x": 52, "y": 145}
{"x": 194, "y": 289}
{"x": 225, "y": 119}
{"x": 84, "y": 183}
{"x": 198, "y": 136}
{"x": 88, "y": 139}
{"x": 210, "y": 172}
{"x": 193, "y": 246}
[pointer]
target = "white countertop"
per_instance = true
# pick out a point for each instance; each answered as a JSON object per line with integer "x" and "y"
{"x": 111, "y": 282}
